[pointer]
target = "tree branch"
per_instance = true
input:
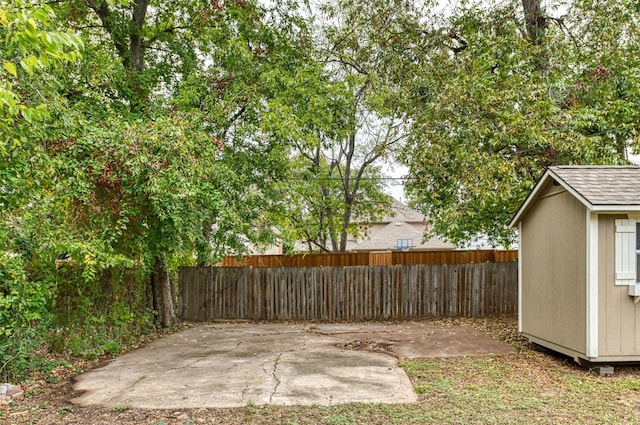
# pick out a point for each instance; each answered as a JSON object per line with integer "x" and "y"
{"x": 233, "y": 119}
{"x": 453, "y": 34}
{"x": 563, "y": 27}
{"x": 348, "y": 63}
{"x": 101, "y": 8}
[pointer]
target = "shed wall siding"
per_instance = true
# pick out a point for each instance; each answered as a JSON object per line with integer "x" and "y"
{"x": 554, "y": 270}
{"x": 619, "y": 318}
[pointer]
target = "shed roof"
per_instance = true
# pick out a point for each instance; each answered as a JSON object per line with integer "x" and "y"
{"x": 603, "y": 185}
{"x": 600, "y": 188}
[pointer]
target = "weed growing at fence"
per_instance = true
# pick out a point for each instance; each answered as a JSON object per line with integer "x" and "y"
{"x": 68, "y": 316}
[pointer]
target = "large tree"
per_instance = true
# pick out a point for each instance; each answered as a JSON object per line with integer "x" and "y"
{"x": 175, "y": 164}
{"x": 335, "y": 179}
{"x": 505, "y": 90}
{"x": 343, "y": 120}
{"x": 152, "y": 149}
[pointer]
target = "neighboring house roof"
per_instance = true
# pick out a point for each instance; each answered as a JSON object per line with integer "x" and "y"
{"x": 600, "y": 188}
{"x": 403, "y": 223}
{"x": 397, "y": 212}
{"x": 387, "y": 238}
{"x": 401, "y": 212}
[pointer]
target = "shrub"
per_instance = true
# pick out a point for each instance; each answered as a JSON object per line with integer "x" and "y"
{"x": 24, "y": 318}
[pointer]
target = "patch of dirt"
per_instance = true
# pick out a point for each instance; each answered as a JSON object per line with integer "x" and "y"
{"x": 367, "y": 345}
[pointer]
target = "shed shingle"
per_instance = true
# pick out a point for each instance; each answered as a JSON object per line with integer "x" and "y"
{"x": 602, "y": 185}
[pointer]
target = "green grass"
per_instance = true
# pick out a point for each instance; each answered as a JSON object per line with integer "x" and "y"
{"x": 65, "y": 410}
{"x": 525, "y": 388}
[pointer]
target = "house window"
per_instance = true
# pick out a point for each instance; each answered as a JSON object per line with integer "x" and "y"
{"x": 405, "y": 244}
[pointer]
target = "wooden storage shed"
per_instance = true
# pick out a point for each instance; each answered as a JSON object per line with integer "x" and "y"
{"x": 579, "y": 262}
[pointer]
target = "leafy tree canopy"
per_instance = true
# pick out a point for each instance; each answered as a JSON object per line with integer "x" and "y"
{"x": 342, "y": 119}
{"x": 502, "y": 93}
{"x": 150, "y": 150}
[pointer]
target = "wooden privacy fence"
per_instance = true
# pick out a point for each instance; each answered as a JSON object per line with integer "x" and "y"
{"x": 378, "y": 258}
{"x": 348, "y": 293}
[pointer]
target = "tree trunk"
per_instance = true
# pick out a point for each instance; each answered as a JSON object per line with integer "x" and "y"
{"x": 163, "y": 301}
{"x": 346, "y": 220}
{"x": 535, "y": 21}
{"x": 129, "y": 43}
{"x": 536, "y": 25}
{"x": 621, "y": 147}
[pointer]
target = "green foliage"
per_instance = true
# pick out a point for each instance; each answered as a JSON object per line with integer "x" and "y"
{"x": 168, "y": 166}
{"x": 65, "y": 410}
{"x": 25, "y": 305}
{"x": 492, "y": 108}
{"x": 335, "y": 114}
{"x": 323, "y": 205}
{"x": 129, "y": 153}
{"x": 94, "y": 319}
{"x": 29, "y": 47}
{"x": 71, "y": 317}
{"x": 346, "y": 419}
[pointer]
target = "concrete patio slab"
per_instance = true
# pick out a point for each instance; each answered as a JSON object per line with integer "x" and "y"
{"x": 236, "y": 364}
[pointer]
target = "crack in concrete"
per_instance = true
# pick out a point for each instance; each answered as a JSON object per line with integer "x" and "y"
{"x": 236, "y": 347}
{"x": 274, "y": 333}
{"x": 264, "y": 369}
{"x": 133, "y": 384}
{"x": 244, "y": 391}
{"x": 275, "y": 376}
{"x": 351, "y": 332}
